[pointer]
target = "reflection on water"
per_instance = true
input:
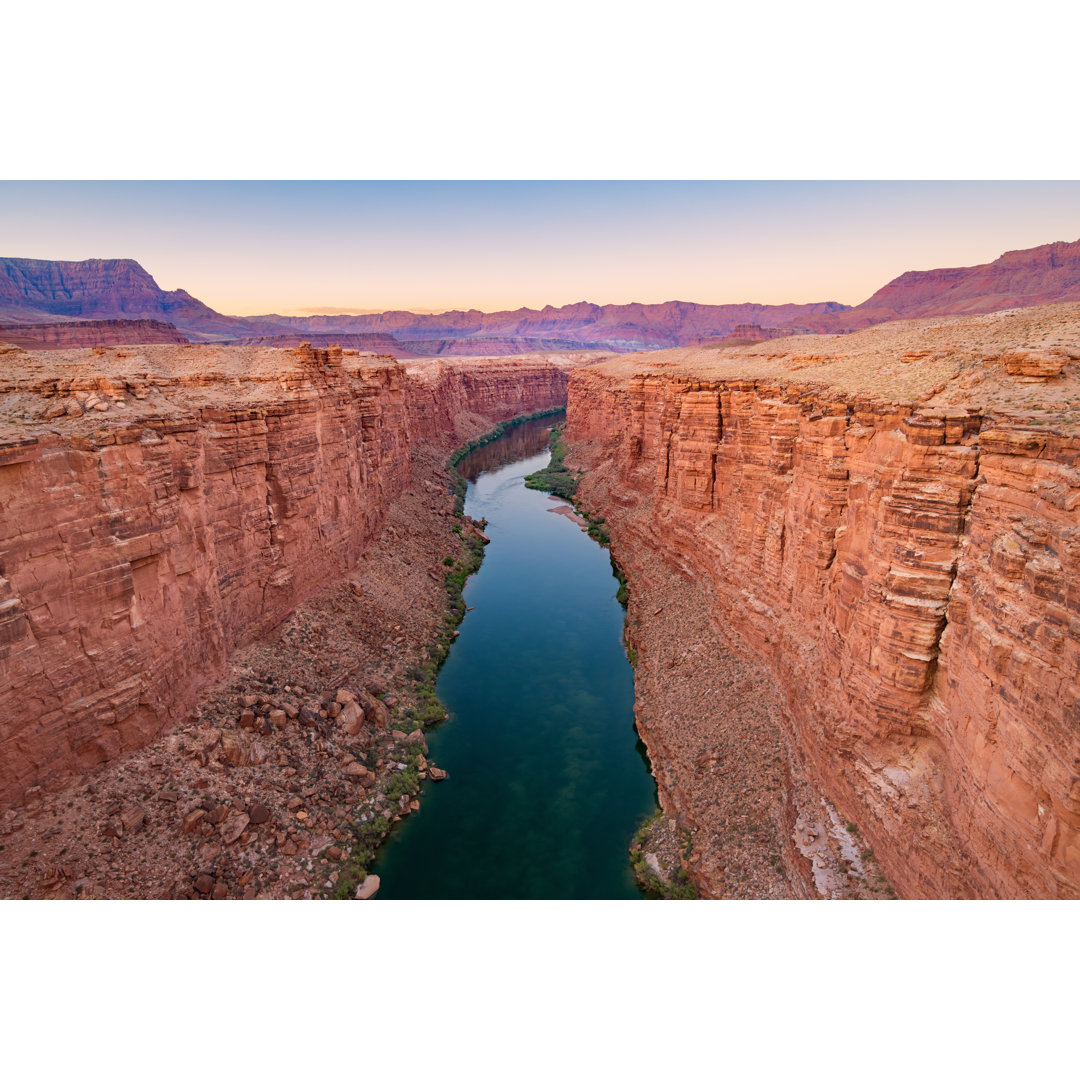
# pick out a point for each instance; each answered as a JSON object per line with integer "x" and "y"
{"x": 546, "y": 782}
{"x": 520, "y": 441}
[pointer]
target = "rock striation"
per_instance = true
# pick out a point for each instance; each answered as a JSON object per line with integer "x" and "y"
{"x": 83, "y": 333}
{"x": 379, "y": 343}
{"x": 41, "y": 290}
{"x": 903, "y": 559}
{"x": 160, "y": 508}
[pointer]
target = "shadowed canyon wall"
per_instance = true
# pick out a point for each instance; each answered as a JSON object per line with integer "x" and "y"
{"x": 911, "y": 578}
{"x": 135, "y": 556}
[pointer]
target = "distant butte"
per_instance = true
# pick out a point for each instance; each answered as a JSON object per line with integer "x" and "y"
{"x": 37, "y": 290}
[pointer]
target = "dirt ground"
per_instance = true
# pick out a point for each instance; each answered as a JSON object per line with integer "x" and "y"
{"x": 740, "y": 817}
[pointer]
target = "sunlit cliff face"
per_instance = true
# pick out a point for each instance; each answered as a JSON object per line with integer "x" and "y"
{"x": 165, "y": 505}
{"x": 896, "y": 544}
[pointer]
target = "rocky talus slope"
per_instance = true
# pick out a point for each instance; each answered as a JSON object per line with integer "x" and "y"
{"x": 161, "y": 508}
{"x": 886, "y": 527}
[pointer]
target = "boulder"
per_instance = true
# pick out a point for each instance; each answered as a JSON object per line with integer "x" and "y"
{"x": 355, "y": 771}
{"x": 375, "y": 711}
{"x": 1035, "y": 363}
{"x": 367, "y": 889}
{"x": 232, "y": 749}
{"x": 436, "y": 773}
{"x": 351, "y": 718}
{"x": 233, "y": 826}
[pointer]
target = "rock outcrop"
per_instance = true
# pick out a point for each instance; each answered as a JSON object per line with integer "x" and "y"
{"x": 159, "y": 510}
{"x": 904, "y": 560}
{"x": 83, "y": 333}
{"x": 378, "y": 343}
{"x": 40, "y": 290}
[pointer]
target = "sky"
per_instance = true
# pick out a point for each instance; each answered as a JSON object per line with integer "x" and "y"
{"x": 256, "y": 247}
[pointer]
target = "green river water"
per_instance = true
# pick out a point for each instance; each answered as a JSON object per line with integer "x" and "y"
{"x": 548, "y": 780}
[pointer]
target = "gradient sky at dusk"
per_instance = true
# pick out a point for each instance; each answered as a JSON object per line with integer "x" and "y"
{"x": 250, "y": 247}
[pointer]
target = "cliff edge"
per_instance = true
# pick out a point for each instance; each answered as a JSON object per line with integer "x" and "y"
{"x": 887, "y": 524}
{"x": 163, "y": 506}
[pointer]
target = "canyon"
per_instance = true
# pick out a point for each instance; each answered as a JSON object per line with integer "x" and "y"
{"x": 853, "y": 605}
{"x": 886, "y": 527}
{"x": 162, "y": 509}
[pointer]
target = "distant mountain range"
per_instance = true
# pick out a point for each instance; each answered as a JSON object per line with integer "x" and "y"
{"x": 35, "y": 290}
{"x": 61, "y": 294}
{"x": 1041, "y": 275}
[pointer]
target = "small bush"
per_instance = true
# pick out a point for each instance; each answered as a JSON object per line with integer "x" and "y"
{"x": 555, "y": 477}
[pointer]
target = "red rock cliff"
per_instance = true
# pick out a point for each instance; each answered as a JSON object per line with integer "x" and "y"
{"x": 82, "y": 333}
{"x": 909, "y": 573}
{"x": 178, "y": 504}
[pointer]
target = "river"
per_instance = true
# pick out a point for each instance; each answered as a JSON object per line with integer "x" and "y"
{"x": 548, "y": 780}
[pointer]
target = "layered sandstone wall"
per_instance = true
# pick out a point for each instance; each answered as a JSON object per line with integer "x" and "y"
{"x": 911, "y": 578}
{"x": 139, "y": 548}
{"x": 84, "y": 333}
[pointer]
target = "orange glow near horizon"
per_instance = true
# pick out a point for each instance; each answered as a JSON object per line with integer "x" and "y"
{"x": 252, "y": 248}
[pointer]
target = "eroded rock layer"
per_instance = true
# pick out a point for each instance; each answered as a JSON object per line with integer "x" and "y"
{"x": 908, "y": 570}
{"x": 83, "y": 333}
{"x": 158, "y": 510}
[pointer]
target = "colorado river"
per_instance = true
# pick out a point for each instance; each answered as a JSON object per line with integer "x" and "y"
{"x": 547, "y": 778}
